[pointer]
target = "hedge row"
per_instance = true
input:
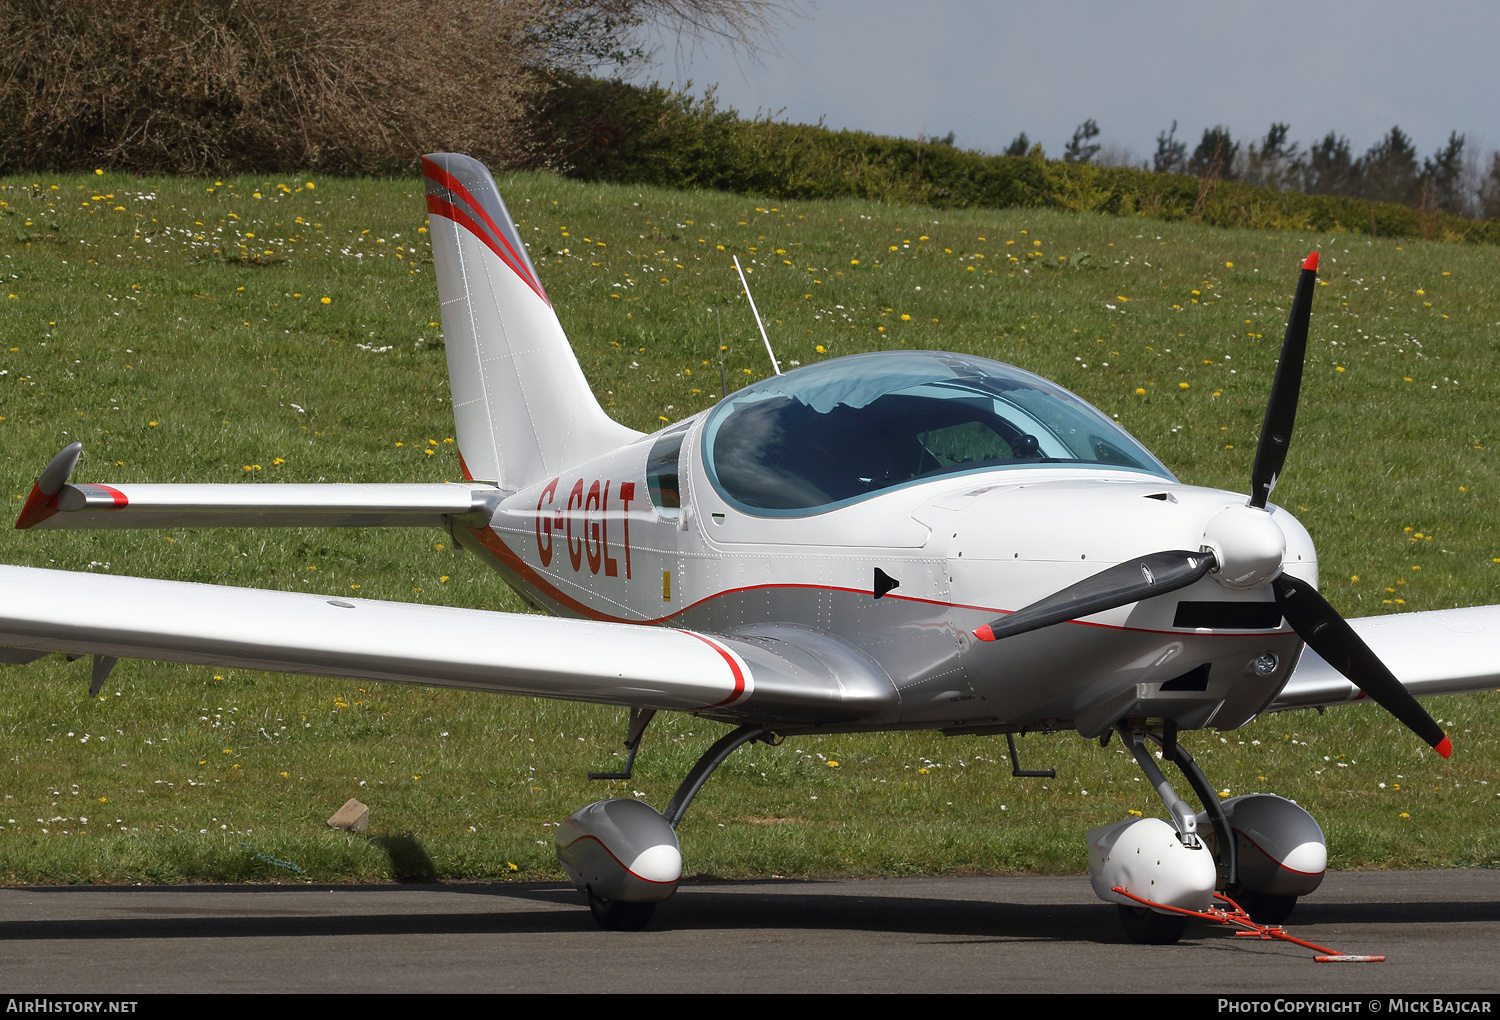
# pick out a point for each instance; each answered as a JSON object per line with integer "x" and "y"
{"x": 608, "y": 131}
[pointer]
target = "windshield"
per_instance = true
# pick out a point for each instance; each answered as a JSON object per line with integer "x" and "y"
{"x": 835, "y": 432}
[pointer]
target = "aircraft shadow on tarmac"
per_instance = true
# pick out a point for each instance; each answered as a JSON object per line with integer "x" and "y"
{"x": 737, "y": 906}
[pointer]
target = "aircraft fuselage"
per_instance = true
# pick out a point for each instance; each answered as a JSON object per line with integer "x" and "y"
{"x": 606, "y": 541}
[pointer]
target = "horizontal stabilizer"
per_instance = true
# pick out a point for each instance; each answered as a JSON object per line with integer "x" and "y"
{"x": 209, "y": 505}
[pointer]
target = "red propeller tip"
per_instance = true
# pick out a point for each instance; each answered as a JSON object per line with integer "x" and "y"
{"x": 1444, "y": 747}
{"x": 985, "y": 634}
{"x": 1312, "y": 262}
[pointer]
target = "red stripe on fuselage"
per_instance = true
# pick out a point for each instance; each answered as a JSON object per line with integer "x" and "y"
{"x": 492, "y": 542}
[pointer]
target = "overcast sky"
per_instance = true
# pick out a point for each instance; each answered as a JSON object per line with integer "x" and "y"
{"x": 989, "y": 69}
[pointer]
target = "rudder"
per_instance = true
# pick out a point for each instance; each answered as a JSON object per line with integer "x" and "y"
{"x": 521, "y": 405}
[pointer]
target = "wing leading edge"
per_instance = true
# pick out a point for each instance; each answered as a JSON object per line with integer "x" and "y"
{"x": 765, "y": 679}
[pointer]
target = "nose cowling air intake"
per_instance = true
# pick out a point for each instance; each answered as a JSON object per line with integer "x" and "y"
{"x": 1245, "y": 548}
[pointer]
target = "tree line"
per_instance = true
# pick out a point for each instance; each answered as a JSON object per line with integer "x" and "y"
{"x": 1453, "y": 180}
{"x": 261, "y": 86}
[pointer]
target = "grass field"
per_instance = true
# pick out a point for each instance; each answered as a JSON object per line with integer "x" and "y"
{"x": 263, "y": 330}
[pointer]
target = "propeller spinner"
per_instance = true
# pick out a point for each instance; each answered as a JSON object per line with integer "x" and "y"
{"x": 1244, "y": 548}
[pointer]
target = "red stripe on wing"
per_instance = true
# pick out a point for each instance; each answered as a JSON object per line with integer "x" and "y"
{"x": 734, "y": 667}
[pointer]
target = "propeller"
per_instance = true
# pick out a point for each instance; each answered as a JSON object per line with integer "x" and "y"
{"x": 1329, "y": 634}
{"x": 1281, "y": 409}
{"x": 1244, "y": 549}
{"x": 1119, "y": 585}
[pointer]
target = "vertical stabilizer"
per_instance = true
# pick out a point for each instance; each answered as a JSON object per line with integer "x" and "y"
{"x": 521, "y": 406}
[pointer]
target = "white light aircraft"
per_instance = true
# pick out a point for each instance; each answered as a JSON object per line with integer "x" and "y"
{"x": 899, "y": 540}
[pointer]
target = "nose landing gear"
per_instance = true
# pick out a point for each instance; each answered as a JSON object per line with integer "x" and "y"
{"x": 1262, "y": 849}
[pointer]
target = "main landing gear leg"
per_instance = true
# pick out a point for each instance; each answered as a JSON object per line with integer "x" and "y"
{"x": 623, "y": 854}
{"x": 711, "y": 760}
{"x": 613, "y": 915}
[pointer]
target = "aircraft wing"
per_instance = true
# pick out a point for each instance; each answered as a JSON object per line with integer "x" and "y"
{"x": 1444, "y": 652}
{"x": 793, "y": 677}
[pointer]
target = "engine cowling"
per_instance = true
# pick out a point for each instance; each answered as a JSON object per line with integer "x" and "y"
{"x": 620, "y": 850}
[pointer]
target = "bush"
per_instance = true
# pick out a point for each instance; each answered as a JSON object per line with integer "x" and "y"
{"x": 610, "y": 131}
{"x": 218, "y": 86}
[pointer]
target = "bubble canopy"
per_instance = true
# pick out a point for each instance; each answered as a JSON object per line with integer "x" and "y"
{"x": 831, "y": 434}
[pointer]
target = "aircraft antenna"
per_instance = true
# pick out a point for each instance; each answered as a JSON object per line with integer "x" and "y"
{"x": 723, "y": 380}
{"x": 762, "y": 325}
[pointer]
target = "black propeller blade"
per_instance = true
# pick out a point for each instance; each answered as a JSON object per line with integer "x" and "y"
{"x": 1314, "y": 620}
{"x": 1281, "y": 409}
{"x": 1119, "y": 585}
{"x": 1329, "y": 634}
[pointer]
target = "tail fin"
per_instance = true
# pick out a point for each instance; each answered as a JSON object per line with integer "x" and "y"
{"x": 521, "y": 405}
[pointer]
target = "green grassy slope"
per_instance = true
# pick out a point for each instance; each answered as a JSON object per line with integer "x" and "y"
{"x": 179, "y": 328}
